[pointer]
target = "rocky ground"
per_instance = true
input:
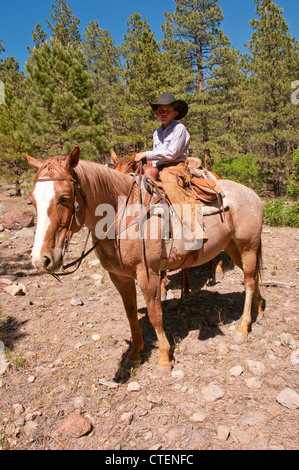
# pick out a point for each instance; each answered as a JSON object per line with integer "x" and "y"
{"x": 62, "y": 347}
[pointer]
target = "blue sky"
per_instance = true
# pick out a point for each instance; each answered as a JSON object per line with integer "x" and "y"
{"x": 19, "y": 17}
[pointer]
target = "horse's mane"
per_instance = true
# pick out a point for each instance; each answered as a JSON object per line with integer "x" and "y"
{"x": 103, "y": 183}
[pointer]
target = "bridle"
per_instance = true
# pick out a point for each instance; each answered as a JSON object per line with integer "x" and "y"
{"x": 84, "y": 254}
{"x": 67, "y": 239}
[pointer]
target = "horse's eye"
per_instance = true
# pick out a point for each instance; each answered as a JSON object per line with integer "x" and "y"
{"x": 63, "y": 199}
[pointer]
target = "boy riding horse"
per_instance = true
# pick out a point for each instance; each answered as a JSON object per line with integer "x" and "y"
{"x": 169, "y": 154}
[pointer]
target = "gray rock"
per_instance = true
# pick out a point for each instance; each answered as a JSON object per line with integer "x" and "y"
{"x": 108, "y": 383}
{"x": 288, "y": 398}
{"x": 75, "y": 302}
{"x": 16, "y": 289}
{"x": 18, "y": 409}
{"x": 96, "y": 337}
{"x": 133, "y": 387}
{"x": 127, "y": 418}
{"x": 198, "y": 417}
{"x": 177, "y": 374}
{"x": 256, "y": 367}
{"x": 4, "y": 363}
{"x": 236, "y": 371}
{"x": 212, "y": 393}
{"x": 223, "y": 433}
{"x": 295, "y": 358}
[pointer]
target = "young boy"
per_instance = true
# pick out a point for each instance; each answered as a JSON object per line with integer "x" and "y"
{"x": 170, "y": 150}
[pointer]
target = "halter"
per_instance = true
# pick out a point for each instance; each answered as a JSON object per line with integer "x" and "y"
{"x": 67, "y": 239}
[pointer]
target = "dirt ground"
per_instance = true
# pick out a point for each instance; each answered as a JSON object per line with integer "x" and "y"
{"x": 67, "y": 358}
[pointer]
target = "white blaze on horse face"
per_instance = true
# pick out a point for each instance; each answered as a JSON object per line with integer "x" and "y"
{"x": 43, "y": 194}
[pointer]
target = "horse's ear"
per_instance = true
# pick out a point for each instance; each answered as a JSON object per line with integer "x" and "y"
{"x": 131, "y": 159}
{"x": 33, "y": 162}
{"x": 73, "y": 158}
{"x": 113, "y": 156}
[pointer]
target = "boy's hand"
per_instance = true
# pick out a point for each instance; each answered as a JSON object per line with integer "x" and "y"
{"x": 140, "y": 156}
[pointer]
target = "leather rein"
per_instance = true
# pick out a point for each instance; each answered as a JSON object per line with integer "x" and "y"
{"x": 67, "y": 239}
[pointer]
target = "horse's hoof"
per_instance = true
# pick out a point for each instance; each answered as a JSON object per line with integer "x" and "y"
{"x": 243, "y": 329}
{"x": 128, "y": 364}
{"x": 185, "y": 296}
{"x": 162, "y": 371}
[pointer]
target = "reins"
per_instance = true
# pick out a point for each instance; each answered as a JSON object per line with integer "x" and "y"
{"x": 137, "y": 175}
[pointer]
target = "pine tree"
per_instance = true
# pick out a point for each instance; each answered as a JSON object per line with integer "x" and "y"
{"x": 272, "y": 65}
{"x": 145, "y": 76}
{"x": 102, "y": 54}
{"x": 38, "y": 36}
{"x": 176, "y": 61}
{"x": 226, "y": 112}
{"x": 60, "y": 111}
{"x": 104, "y": 64}
{"x": 195, "y": 26}
{"x": 2, "y": 87}
{"x": 65, "y": 25}
{"x": 2, "y": 49}
{"x": 12, "y": 146}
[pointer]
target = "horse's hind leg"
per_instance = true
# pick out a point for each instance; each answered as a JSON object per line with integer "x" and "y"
{"x": 249, "y": 261}
{"x": 251, "y": 282}
{"x": 164, "y": 281}
{"x": 127, "y": 289}
{"x": 257, "y": 298}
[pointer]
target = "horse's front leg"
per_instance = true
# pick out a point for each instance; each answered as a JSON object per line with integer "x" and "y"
{"x": 127, "y": 289}
{"x": 151, "y": 289}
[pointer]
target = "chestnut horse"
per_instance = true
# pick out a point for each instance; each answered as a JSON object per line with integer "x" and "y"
{"x": 63, "y": 185}
{"x": 128, "y": 164}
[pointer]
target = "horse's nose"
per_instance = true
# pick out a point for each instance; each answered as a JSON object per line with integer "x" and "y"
{"x": 46, "y": 262}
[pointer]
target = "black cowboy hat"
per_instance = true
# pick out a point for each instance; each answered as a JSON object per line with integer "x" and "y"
{"x": 167, "y": 99}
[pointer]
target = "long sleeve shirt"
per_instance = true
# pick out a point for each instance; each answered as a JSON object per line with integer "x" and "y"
{"x": 169, "y": 145}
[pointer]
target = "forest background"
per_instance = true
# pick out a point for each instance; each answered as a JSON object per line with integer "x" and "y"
{"x": 84, "y": 89}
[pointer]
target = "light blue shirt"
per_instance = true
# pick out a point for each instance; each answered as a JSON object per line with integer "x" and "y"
{"x": 170, "y": 144}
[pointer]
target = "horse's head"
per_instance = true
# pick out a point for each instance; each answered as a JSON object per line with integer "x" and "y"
{"x": 124, "y": 164}
{"x": 60, "y": 208}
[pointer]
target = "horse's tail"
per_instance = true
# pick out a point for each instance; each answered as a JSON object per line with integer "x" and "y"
{"x": 259, "y": 264}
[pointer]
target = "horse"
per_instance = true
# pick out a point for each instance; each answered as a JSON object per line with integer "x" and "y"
{"x": 128, "y": 164}
{"x": 124, "y": 165}
{"x": 69, "y": 192}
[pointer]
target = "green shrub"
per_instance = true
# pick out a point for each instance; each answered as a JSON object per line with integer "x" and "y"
{"x": 244, "y": 169}
{"x": 282, "y": 212}
{"x": 293, "y": 181}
